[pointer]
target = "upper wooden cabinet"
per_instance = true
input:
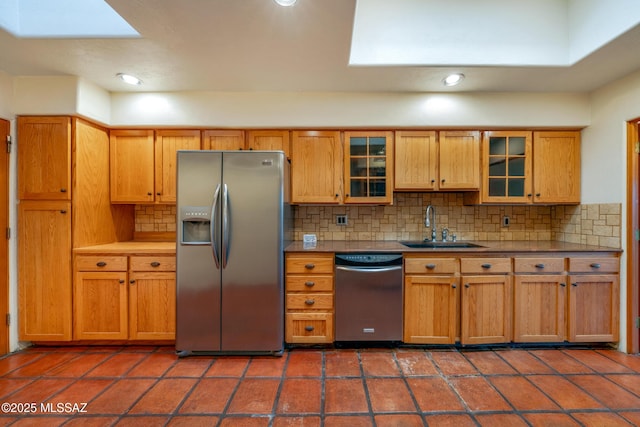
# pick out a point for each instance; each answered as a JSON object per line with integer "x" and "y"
{"x": 531, "y": 167}
{"x": 269, "y": 140}
{"x": 168, "y": 142}
{"x": 368, "y": 167}
{"x": 430, "y": 160}
{"x": 316, "y": 167}
{"x": 132, "y": 166}
{"x": 44, "y": 158}
{"x": 223, "y": 140}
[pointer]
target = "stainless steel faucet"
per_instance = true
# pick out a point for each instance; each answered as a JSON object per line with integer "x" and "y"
{"x": 428, "y": 222}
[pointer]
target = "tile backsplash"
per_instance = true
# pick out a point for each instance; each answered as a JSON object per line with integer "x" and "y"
{"x": 594, "y": 224}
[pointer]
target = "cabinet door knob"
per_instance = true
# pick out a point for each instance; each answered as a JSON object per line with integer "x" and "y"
{"x": 453, "y": 285}
{"x": 443, "y": 181}
{"x": 430, "y": 266}
{"x": 101, "y": 263}
{"x": 575, "y": 285}
{"x": 132, "y": 281}
{"x": 309, "y": 328}
{"x": 149, "y": 193}
{"x": 310, "y": 302}
{"x": 537, "y": 194}
{"x": 309, "y": 266}
{"x": 539, "y": 265}
{"x": 487, "y": 265}
{"x": 595, "y": 265}
{"x": 529, "y": 195}
{"x": 63, "y": 190}
{"x": 564, "y": 285}
{"x": 309, "y": 284}
{"x": 63, "y": 211}
{"x": 121, "y": 281}
{"x": 466, "y": 285}
{"x": 158, "y": 194}
{"x": 155, "y": 264}
{"x": 337, "y": 195}
{"x": 433, "y": 181}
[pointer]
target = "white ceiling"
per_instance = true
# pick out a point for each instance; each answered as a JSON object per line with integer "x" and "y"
{"x": 254, "y": 45}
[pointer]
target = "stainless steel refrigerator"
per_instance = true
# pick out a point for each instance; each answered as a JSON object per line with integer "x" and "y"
{"x": 233, "y": 220}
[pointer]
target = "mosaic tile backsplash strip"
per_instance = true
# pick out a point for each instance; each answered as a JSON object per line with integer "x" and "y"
{"x": 595, "y": 224}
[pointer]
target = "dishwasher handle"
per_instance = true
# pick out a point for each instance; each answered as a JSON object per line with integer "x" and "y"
{"x": 362, "y": 269}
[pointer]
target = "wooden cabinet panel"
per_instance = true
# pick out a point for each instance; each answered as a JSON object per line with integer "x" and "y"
{"x": 101, "y": 263}
{"x": 416, "y": 160}
{"x": 594, "y": 308}
{"x": 278, "y": 140}
{"x": 44, "y": 270}
{"x": 430, "y": 309}
{"x": 309, "y": 328}
{"x": 431, "y": 265}
{"x": 309, "y": 283}
{"x": 485, "y": 265}
{"x": 310, "y": 301}
{"x": 316, "y": 167}
{"x": 44, "y": 158}
{"x": 539, "y": 308}
{"x": 368, "y": 167}
{"x": 459, "y": 160}
{"x": 152, "y": 302}
{"x": 100, "y": 305}
{"x": 556, "y": 162}
{"x": 594, "y": 265}
{"x": 152, "y": 263}
{"x": 168, "y": 142}
{"x": 486, "y": 309}
{"x": 132, "y": 171}
{"x": 309, "y": 264}
{"x": 538, "y": 265}
{"x": 223, "y": 140}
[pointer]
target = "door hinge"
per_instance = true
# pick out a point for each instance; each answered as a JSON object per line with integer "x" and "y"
{"x": 638, "y": 322}
{"x": 8, "y": 319}
{"x": 638, "y": 147}
{"x": 8, "y": 143}
{"x": 637, "y": 234}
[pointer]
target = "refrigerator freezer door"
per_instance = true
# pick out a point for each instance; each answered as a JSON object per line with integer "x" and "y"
{"x": 198, "y": 279}
{"x": 252, "y": 285}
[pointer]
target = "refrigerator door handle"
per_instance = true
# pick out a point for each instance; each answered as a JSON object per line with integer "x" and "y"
{"x": 213, "y": 228}
{"x": 225, "y": 226}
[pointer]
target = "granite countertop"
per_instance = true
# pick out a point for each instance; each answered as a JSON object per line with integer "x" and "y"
{"x": 486, "y": 247}
{"x": 130, "y": 248}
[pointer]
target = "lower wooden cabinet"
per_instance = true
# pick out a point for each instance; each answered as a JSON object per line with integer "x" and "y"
{"x": 120, "y": 298}
{"x": 309, "y": 301}
{"x": 593, "y": 308}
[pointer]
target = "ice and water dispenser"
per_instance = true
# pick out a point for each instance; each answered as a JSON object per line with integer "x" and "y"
{"x": 196, "y": 225}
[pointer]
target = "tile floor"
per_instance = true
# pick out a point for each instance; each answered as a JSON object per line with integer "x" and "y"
{"x": 150, "y": 386}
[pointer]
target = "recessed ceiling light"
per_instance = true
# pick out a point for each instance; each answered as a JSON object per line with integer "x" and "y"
{"x": 286, "y": 2}
{"x": 453, "y": 79}
{"x": 128, "y": 78}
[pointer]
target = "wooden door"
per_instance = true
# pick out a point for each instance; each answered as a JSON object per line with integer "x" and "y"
{"x": 539, "y": 308}
{"x": 4, "y": 247}
{"x": 152, "y": 306}
{"x": 556, "y": 167}
{"x": 430, "y": 309}
{"x": 459, "y": 160}
{"x": 44, "y": 270}
{"x": 100, "y": 305}
{"x": 507, "y": 167}
{"x": 223, "y": 140}
{"x": 316, "y": 167}
{"x": 168, "y": 142}
{"x": 44, "y": 158}
{"x": 368, "y": 167}
{"x": 416, "y": 160}
{"x": 593, "y": 308}
{"x": 269, "y": 140}
{"x": 486, "y": 309}
{"x": 132, "y": 166}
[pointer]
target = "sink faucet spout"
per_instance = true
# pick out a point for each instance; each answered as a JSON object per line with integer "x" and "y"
{"x": 429, "y": 222}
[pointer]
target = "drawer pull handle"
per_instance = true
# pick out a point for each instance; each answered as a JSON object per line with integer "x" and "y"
{"x": 309, "y": 328}
{"x": 564, "y": 285}
{"x": 310, "y": 302}
{"x": 155, "y": 264}
{"x": 539, "y": 265}
{"x": 595, "y": 265}
{"x": 309, "y": 266}
{"x": 309, "y": 284}
{"x": 430, "y": 266}
{"x": 101, "y": 263}
{"x": 487, "y": 265}
{"x": 575, "y": 285}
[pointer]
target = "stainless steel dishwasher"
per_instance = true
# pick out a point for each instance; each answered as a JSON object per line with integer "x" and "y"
{"x": 368, "y": 297}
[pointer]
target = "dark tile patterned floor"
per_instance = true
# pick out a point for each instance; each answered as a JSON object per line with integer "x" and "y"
{"x": 150, "y": 386}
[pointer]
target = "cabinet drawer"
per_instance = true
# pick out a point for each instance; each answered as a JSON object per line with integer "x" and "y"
{"x": 315, "y": 264}
{"x": 594, "y": 265}
{"x": 153, "y": 263}
{"x": 101, "y": 263}
{"x": 485, "y": 265}
{"x": 430, "y": 265}
{"x": 538, "y": 265}
{"x": 311, "y": 301}
{"x": 309, "y": 283}
{"x": 309, "y": 327}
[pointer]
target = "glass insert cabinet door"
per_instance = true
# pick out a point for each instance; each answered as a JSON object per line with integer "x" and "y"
{"x": 507, "y": 166}
{"x": 368, "y": 163}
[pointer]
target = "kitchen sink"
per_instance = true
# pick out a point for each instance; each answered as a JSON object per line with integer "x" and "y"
{"x": 439, "y": 245}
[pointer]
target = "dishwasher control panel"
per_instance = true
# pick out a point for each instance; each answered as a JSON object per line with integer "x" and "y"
{"x": 371, "y": 259}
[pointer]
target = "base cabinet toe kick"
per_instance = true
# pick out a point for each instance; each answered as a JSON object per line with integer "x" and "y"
{"x": 454, "y": 298}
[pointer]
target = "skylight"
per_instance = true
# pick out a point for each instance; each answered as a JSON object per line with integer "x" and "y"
{"x": 63, "y": 19}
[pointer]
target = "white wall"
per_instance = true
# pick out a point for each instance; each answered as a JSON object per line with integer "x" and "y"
{"x": 6, "y": 96}
{"x": 604, "y": 160}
